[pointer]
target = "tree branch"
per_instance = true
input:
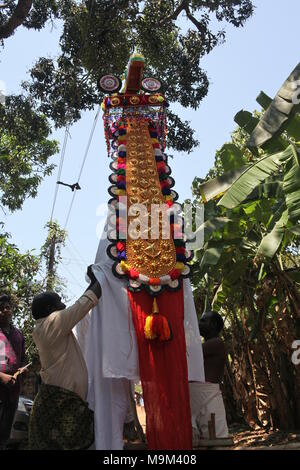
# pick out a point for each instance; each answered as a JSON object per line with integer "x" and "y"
{"x": 198, "y": 25}
{"x": 183, "y": 5}
{"x": 17, "y": 18}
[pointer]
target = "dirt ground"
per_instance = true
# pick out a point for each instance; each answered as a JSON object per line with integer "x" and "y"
{"x": 244, "y": 438}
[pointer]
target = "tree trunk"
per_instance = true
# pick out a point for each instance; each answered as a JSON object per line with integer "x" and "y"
{"x": 284, "y": 413}
{"x": 17, "y": 18}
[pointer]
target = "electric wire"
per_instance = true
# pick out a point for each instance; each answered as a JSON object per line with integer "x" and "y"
{"x": 83, "y": 163}
{"x": 62, "y": 157}
{"x": 72, "y": 275}
{"x": 76, "y": 250}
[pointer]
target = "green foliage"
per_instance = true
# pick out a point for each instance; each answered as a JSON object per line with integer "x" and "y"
{"x": 98, "y": 37}
{"x": 20, "y": 277}
{"x": 51, "y": 255}
{"x": 256, "y": 194}
{"x": 257, "y": 173}
{"x": 24, "y": 151}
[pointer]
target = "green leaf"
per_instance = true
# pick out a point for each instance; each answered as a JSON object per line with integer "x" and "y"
{"x": 272, "y": 241}
{"x": 277, "y": 114}
{"x": 215, "y": 187}
{"x": 295, "y": 230}
{"x": 293, "y": 128}
{"x": 246, "y": 121}
{"x": 213, "y": 225}
{"x": 262, "y": 273}
{"x": 232, "y": 157}
{"x": 219, "y": 298}
{"x": 211, "y": 256}
{"x": 291, "y": 188}
{"x": 253, "y": 176}
{"x": 264, "y": 100}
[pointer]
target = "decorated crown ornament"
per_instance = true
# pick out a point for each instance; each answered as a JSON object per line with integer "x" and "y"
{"x": 135, "y": 130}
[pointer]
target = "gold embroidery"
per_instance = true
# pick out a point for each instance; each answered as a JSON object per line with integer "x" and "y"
{"x": 151, "y": 257}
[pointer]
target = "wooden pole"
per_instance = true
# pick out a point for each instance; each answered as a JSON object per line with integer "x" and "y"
{"x": 50, "y": 273}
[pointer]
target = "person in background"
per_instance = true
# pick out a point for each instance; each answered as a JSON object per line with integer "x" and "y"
{"x": 206, "y": 398}
{"x": 60, "y": 418}
{"x": 12, "y": 358}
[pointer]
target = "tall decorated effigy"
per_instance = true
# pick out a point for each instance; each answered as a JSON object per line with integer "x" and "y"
{"x": 148, "y": 248}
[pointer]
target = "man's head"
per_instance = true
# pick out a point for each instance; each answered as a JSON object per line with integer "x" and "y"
{"x": 5, "y": 310}
{"x": 46, "y": 303}
{"x": 210, "y": 324}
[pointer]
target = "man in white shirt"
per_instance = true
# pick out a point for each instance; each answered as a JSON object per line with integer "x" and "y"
{"x": 61, "y": 399}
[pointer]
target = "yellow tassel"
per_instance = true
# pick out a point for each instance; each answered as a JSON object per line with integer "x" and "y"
{"x": 121, "y": 192}
{"x": 124, "y": 266}
{"x": 156, "y": 325}
{"x": 148, "y": 328}
{"x": 179, "y": 266}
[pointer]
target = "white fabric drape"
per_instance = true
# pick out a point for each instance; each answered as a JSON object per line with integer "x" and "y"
{"x": 109, "y": 345}
{"x": 205, "y": 399}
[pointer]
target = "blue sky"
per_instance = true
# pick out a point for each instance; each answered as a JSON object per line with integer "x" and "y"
{"x": 257, "y": 57}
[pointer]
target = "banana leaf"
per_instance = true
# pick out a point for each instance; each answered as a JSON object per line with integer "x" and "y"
{"x": 212, "y": 225}
{"x": 272, "y": 241}
{"x": 254, "y": 175}
{"x": 278, "y": 114}
{"x": 216, "y": 187}
{"x": 219, "y": 298}
{"x": 246, "y": 121}
{"x": 211, "y": 256}
{"x": 295, "y": 230}
{"x": 291, "y": 187}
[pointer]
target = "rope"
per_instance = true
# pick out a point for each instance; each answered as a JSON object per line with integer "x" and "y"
{"x": 62, "y": 157}
{"x": 83, "y": 163}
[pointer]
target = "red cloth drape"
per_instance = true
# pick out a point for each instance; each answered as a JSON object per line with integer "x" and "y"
{"x": 163, "y": 373}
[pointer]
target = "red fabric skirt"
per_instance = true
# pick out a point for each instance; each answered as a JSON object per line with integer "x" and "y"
{"x": 163, "y": 373}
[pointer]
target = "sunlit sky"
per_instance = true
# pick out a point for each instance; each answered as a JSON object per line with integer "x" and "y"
{"x": 258, "y": 57}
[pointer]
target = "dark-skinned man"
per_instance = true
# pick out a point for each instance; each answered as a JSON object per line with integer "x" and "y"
{"x": 12, "y": 358}
{"x": 61, "y": 419}
{"x": 206, "y": 398}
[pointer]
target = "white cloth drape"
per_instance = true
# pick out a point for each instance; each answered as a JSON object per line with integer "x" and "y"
{"x": 205, "y": 399}
{"x": 109, "y": 345}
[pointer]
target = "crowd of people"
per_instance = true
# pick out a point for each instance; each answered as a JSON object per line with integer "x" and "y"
{"x": 62, "y": 417}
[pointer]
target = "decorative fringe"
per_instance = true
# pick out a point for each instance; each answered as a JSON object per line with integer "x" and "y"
{"x": 157, "y": 325}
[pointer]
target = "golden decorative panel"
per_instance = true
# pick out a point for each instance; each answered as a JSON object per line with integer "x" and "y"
{"x": 151, "y": 257}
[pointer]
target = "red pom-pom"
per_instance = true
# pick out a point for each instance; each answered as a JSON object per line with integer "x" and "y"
{"x": 164, "y": 184}
{"x": 121, "y": 246}
{"x": 174, "y": 274}
{"x": 161, "y": 166}
{"x": 133, "y": 274}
